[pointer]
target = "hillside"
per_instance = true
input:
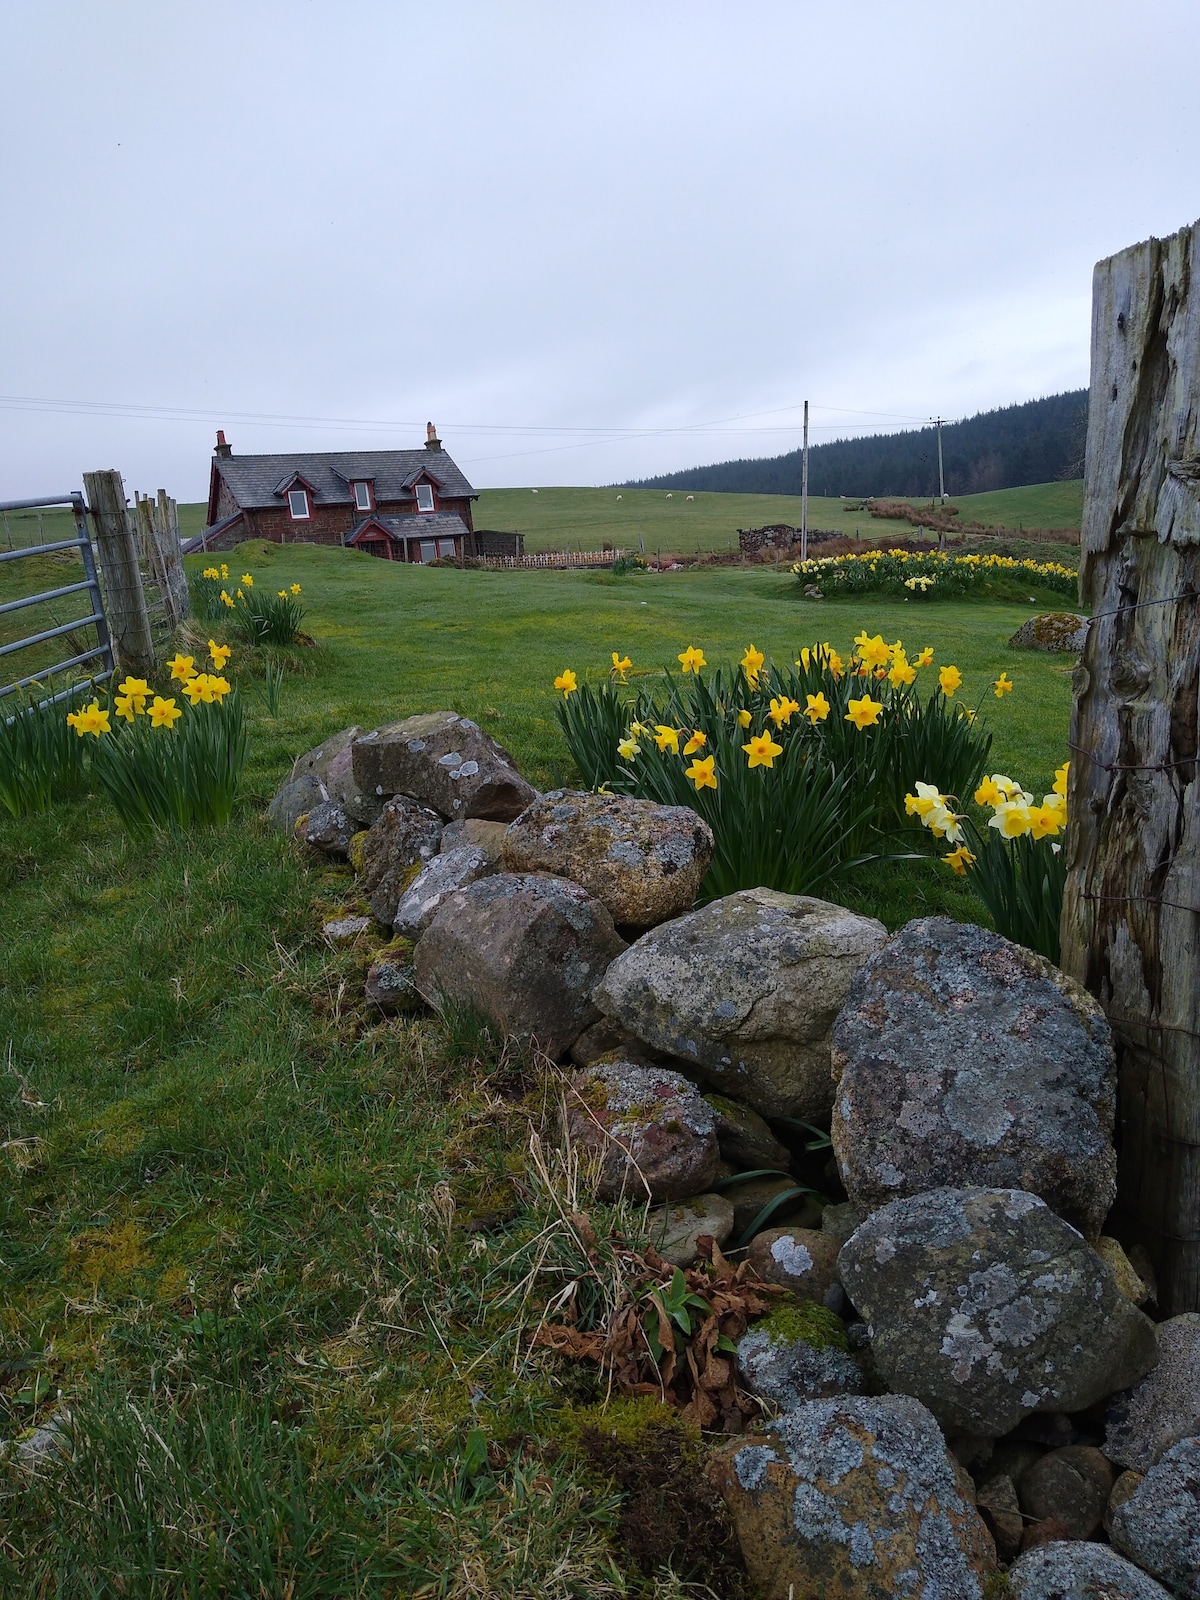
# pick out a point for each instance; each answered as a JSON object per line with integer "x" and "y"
{"x": 1033, "y": 443}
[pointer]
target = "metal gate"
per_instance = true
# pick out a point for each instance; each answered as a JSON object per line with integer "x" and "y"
{"x": 102, "y": 653}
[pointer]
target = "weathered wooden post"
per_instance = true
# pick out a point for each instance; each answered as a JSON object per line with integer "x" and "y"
{"x": 125, "y": 603}
{"x": 166, "y": 526}
{"x": 1131, "y": 914}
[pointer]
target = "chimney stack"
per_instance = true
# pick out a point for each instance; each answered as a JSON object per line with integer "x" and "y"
{"x": 432, "y": 442}
{"x": 222, "y": 448}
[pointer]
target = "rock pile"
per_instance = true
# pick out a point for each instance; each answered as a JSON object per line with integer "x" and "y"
{"x": 952, "y": 1302}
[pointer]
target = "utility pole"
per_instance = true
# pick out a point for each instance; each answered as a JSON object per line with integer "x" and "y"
{"x": 937, "y": 422}
{"x": 804, "y": 491}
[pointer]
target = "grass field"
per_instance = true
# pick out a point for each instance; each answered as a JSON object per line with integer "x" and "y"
{"x": 231, "y": 1217}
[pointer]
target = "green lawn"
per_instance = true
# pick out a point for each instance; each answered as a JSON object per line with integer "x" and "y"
{"x": 230, "y": 1226}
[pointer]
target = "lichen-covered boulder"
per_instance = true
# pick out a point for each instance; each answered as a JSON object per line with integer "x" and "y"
{"x": 963, "y": 1059}
{"x": 389, "y": 986}
{"x": 442, "y": 875}
{"x": 1165, "y": 1406}
{"x": 446, "y": 762}
{"x": 854, "y": 1499}
{"x": 745, "y": 991}
{"x": 326, "y": 828}
{"x": 294, "y": 800}
{"x": 1072, "y": 1485}
{"x": 674, "y": 1230}
{"x": 317, "y": 762}
{"x": 1058, "y": 632}
{"x": 800, "y": 1259}
{"x": 745, "y": 1139}
{"x": 488, "y": 836}
{"x": 339, "y": 780}
{"x": 651, "y": 1132}
{"x": 644, "y": 861}
{"x": 395, "y": 849}
{"x": 987, "y": 1306}
{"x": 798, "y": 1353}
{"x": 1158, "y": 1525}
{"x": 524, "y": 949}
{"x": 1078, "y": 1571}
{"x": 1131, "y": 1285}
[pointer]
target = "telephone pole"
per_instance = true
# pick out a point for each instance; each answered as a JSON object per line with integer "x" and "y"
{"x": 937, "y": 422}
{"x": 804, "y": 490}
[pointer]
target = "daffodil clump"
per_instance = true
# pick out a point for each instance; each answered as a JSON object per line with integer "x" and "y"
{"x": 163, "y": 763}
{"x": 1013, "y": 858}
{"x": 928, "y": 575}
{"x": 264, "y": 618}
{"x": 796, "y": 767}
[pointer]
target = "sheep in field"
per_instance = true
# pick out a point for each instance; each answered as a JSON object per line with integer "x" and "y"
{"x": 670, "y": 497}
{"x": 620, "y": 497}
{"x": 691, "y": 497}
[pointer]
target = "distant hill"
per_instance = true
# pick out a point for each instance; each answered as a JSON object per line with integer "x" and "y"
{"x": 1040, "y": 441}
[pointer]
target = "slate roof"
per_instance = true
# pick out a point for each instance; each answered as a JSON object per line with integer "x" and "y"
{"x": 199, "y": 541}
{"x": 255, "y": 481}
{"x": 418, "y": 525}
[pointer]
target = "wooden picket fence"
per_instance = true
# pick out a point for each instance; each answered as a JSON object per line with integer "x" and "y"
{"x": 560, "y": 559}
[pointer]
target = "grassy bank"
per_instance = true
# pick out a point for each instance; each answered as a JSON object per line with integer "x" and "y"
{"x": 280, "y": 1258}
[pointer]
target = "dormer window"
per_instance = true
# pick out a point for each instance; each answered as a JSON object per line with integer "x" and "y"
{"x": 362, "y": 496}
{"x": 424, "y": 497}
{"x": 298, "y": 505}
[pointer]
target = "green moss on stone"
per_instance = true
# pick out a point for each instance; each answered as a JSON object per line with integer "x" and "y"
{"x": 792, "y": 1319}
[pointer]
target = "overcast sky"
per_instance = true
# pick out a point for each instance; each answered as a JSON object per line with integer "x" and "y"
{"x": 589, "y": 240}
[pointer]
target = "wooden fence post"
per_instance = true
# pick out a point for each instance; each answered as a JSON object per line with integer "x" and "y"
{"x": 125, "y": 602}
{"x": 1131, "y": 913}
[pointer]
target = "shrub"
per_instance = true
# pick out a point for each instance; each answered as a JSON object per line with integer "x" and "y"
{"x": 931, "y": 575}
{"x": 39, "y": 760}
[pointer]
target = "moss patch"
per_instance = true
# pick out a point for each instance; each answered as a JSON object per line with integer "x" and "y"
{"x": 816, "y": 1325}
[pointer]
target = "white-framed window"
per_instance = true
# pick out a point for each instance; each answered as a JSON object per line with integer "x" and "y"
{"x": 362, "y": 496}
{"x": 424, "y": 497}
{"x": 298, "y": 505}
{"x": 428, "y": 550}
{"x": 445, "y": 547}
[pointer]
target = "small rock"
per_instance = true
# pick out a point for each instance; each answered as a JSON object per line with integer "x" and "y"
{"x": 444, "y": 873}
{"x": 362, "y": 808}
{"x": 750, "y": 1197}
{"x": 1073, "y": 1485}
{"x": 345, "y": 930}
{"x": 650, "y": 1130}
{"x": 389, "y": 984}
{"x": 1130, "y": 1285}
{"x": 997, "y": 1504}
{"x": 487, "y": 836}
{"x": 406, "y": 836}
{"x": 987, "y": 1306}
{"x": 317, "y": 762}
{"x": 798, "y": 1353}
{"x": 840, "y": 1221}
{"x": 1076, "y": 1571}
{"x": 854, "y": 1498}
{"x": 608, "y": 1038}
{"x": 1059, "y": 632}
{"x": 745, "y": 991}
{"x": 1165, "y": 1406}
{"x": 745, "y": 1138}
{"x": 525, "y": 951}
{"x": 800, "y": 1259}
{"x": 964, "y": 1059}
{"x": 294, "y": 800}
{"x": 445, "y": 761}
{"x": 644, "y": 861}
{"x": 1121, "y": 1491}
{"x": 674, "y": 1229}
{"x": 1158, "y": 1525}
{"x": 43, "y": 1445}
{"x": 1139, "y": 1260}
{"x": 328, "y": 829}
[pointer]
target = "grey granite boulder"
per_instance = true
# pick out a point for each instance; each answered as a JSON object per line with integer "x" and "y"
{"x": 745, "y": 1139}
{"x": 1165, "y": 1406}
{"x": 745, "y": 991}
{"x": 389, "y": 985}
{"x": 1079, "y": 1571}
{"x": 394, "y": 850}
{"x": 294, "y": 800}
{"x": 798, "y": 1353}
{"x": 964, "y": 1059}
{"x": 987, "y": 1306}
{"x": 674, "y": 1229}
{"x": 645, "y": 862}
{"x": 650, "y": 1131}
{"x": 1158, "y": 1525}
{"x": 803, "y": 1260}
{"x": 524, "y": 949}
{"x": 317, "y": 762}
{"x": 450, "y": 870}
{"x": 854, "y": 1499}
{"x": 362, "y": 808}
{"x": 1058, "y": 632}
{"x": 328, "y": 829}
{"x": 445, "y": 761}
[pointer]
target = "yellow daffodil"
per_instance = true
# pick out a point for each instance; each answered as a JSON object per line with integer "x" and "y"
{"x": 1002, "y": 686}
{"x": 782, "y": 711}
{"x": 91, "y": 720}
{"x": 164, "y": 713}
{"x": 566, "y": 682}
{"x": 628, "y": 749}
{"x": 295, "y": 588}
{"x": 73, "y": 721}
{"x": 836, "y": 665}
{"x": 210, "y": 572}
{"x": 1058, "y": 805}
{"x": 196, "y": 688}
{"x": 1060, "y": 779}
{"x": 621, "y": 665}
{"x": 896, "y": 649}
{"x": 224, "y": 573}
{"x": 240, "y": 595}
{"x": 137, "y": 689}
{"x": 863, "y": 713}
{"x": 182, "y": 667}
{"x": 283, "y": 594}
{"x": 762, "y": 750}
{"x": 703, "y": 773}
{"x": 1044, "y": 820}
{"x": 943, "y": 824}
{"x": 639, "y": 730}
{"x": 744, "y": 719}
{"x": 696, "y": 742}
{"x": 246, "y": 580}
{"x": 667, "y": 738}
{"x": 927, "y": 798}
{"x": 218, "y": 654}
{"x": 989, "y": 793}
{"x": 125, "y": 707}
{"x": 817, "y": 708}
{"x": 900, "y": 673}
{"x": 925, "y": 658}
{"x": 960, "y": 860}
{"x": 950, "y": 679}
{"x": 226, "y": 599}
{"x": 752, "y": 664}
{"x": 872, "y": 651}
{"x": 691, "y": 660}
{"x": 1012, "y": 819}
